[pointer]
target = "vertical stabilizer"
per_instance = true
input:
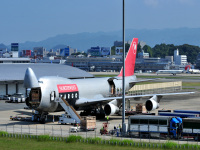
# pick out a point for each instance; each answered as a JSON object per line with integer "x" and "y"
{"x": 187, "y": 68}
{"x": 130, "y": 59}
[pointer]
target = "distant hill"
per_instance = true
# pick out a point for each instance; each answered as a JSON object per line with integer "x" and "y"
{"x": 83, "y": 41}
{"x": 2, "y": 46}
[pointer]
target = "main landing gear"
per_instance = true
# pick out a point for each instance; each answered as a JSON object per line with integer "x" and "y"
{"x": 94, "y": 112}
{"x": 39, "y": 117}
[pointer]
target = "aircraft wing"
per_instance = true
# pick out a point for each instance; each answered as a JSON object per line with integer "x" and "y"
{"x": 145, "y": 80}
{"x": 102, "y": 100}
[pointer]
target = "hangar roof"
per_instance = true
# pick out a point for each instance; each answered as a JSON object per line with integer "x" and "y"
{"x": 10, "y": 72}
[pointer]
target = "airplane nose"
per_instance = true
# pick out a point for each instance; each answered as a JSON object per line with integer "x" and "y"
{"x": 30, "y": 79}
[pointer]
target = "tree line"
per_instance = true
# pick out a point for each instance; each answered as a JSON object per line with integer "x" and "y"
{"x": 162, "y": 50}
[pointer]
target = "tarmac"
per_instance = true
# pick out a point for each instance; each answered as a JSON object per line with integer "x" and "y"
{"x": 184, "y": 102}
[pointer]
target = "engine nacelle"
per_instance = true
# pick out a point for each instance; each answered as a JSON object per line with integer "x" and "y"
{"x": 111, "y": 109}
{"x": 151, "y": 104}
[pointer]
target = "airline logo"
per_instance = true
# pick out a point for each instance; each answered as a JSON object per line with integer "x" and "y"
{"x": 134, "y": 47}
{"x": 64, "y": 88}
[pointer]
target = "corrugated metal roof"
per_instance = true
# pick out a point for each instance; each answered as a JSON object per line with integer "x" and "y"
{"x": 10, "y": 72}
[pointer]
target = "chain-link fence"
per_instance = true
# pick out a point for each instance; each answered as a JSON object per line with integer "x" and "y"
{"x": 63, "y": 131}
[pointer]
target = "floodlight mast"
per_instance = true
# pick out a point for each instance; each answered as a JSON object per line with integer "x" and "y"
{"x": 123, "y": 76}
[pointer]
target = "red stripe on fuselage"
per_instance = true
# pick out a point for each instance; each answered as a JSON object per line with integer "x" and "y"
{"x": 64, "y": 88}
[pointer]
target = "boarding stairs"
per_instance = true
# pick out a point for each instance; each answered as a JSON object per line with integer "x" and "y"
{"x": 70, "y": 110}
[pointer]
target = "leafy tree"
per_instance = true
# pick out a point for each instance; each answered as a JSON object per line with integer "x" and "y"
{"x": 189, "y": 50}
{"x": 163, "y": 50}
{"x": 139, "y": 48}
{"x": 127, "y": 47}
{"x": 148, "y": 49}
{"x": 113, "y": 50}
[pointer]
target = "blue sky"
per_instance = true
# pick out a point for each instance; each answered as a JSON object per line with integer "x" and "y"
{"x": 36, "y": 20}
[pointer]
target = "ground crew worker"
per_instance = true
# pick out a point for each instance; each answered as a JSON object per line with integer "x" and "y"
{"x": 120, "y": 129}
{"x": 107, "y": 118}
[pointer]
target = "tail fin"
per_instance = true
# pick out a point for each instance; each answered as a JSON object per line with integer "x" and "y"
{"x": 130, "y": 59}
{"x": 187, "y": 68}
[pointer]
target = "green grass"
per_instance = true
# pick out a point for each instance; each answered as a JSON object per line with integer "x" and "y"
{"x": 169, "y": 77}
{"x": 3, "y": 133}
{"x": 73, "y": 142}
{"x": 153, "y": 77}
{"x": 32, "y": 144}
{"x": 104, "y": 76}
{"x": 191, "y": 83}
{"x": 43, "y": 138}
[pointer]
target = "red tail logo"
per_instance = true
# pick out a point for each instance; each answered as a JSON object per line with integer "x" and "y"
{"x": 130, "y": 59}
{"x": 187, "y": 67}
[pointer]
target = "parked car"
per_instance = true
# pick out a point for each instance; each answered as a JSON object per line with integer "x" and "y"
{"x": 12, "y": 97}
{"x": 19, "y": 98}
{"x": 6, "y": 97}
{"x": 1, "y": 97}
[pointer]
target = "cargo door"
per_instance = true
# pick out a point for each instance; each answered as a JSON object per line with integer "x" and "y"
{"x": 34, "y": 98}
{"x": 112, "y": 86}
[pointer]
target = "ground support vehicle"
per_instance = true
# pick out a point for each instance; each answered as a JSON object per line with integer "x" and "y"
{"x": 88, "y": 123}
{"x": 181, "y": 115}
{"x": 18, "y": 118}
{"x": 66, "y": 119}
{"x": 6, "y": 97}
{"x": 75, "y": 129}
{"x": 104, "y": 129}
{"x": 188, "y": 111}
{"x": 17, "y": 97}
{"x": 191, "y": 128}
{"x": 154, "y": 126}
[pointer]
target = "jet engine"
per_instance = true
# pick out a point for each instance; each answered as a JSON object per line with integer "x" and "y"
{"x": 111, "y": 109}
{"x": 152, "y": 103}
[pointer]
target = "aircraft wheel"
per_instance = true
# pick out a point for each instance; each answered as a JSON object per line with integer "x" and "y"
{"x": 38, "y": 119}
{"x": 42, "y": 120}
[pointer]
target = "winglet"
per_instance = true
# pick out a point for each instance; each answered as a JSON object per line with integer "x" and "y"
{"x": 130, "y": 59}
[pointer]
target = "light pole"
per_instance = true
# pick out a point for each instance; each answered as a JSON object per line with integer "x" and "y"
{"x": 123, "y": 76}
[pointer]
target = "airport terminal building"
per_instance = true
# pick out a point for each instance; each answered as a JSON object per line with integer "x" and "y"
{"x": 102, "y": 64}
{"x": 12, "y": 75}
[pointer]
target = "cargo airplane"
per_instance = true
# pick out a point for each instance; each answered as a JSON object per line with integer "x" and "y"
{"x": 93, "y": 95}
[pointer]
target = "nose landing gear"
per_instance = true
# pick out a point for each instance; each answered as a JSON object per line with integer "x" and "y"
{"x": 39, "y": 117}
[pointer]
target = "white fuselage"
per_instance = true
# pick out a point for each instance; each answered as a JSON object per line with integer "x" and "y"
{"x": 87, "y": 89}
{"x": 174, "y": 72}
{"x": 197, "y": 71}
